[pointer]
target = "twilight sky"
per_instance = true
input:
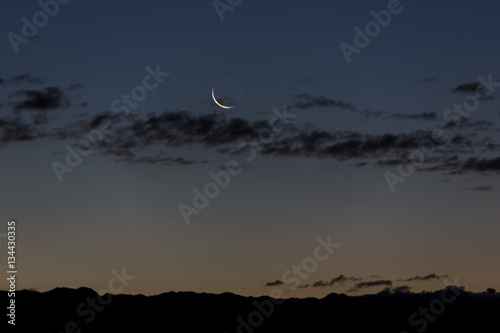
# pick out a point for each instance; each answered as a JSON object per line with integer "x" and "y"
{"x": 392, "y": 150}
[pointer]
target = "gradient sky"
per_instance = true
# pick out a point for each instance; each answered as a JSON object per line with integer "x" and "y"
{"x": 322, "y": 175}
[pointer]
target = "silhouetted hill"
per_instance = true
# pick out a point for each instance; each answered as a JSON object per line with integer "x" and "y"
{"x": 82, "y": 310}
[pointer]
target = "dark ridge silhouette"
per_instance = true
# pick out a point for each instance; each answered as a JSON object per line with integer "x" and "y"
{"x": 82, "y": 310}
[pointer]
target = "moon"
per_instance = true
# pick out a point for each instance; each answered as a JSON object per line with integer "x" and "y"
{"x": 215, "y": 100}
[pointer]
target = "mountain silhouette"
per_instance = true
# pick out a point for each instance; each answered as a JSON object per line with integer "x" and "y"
{"x": 83, "y": 310}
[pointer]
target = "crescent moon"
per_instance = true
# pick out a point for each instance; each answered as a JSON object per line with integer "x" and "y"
{"x": 222, "y": 106}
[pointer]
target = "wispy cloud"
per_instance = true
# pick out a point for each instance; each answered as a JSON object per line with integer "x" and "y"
{"x": 274, "y": 283}
{"x": 76, "y": 86}
{"x": 401, "y": 289}
{"x": 417, "y": 116}
{"x": 368, "y": 284}
{"x": 160, "y": 160}
{"x": 467, "y": 87}
{"x": 26, "y": 78}
{"x": 481, "y": 188}
{"x": 427, "y": 277}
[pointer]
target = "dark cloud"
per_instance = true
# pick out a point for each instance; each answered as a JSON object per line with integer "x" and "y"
{"x": 322, "y": 283}
{"x": 450, "y": 156}
{"x": 226, "y": 135}
{"x": 102, "y": 118}
{"x": 427, "y": 277}
{"x": 275, "y": 283}
{"x": 344, "y": 145}
{"x": 49, "y": 98}
{"x": 135, "y": 134}
{"x": 417, "y": 116}
{"x": 481, "y": 188}
{"x": 342, "y": 278}
{"x": 467, "y": 87}
{"x": 461, "y": 140}
{"x": 16, "y": 130}
{"x": 307, "y": 101}
{"x": 473, "y": 88}
{"x": 448, "y": 165}
{"x": 389, "y": 162}
{"x": 482, "y": 165}
{"x": 385, "y": 291}
{"x": 401, "y": 289}
{"x": 157, "y": 160}
{"x": 480, "y": 124}
{"x": 178, "y": 128}
{"x": 339, "y": 279}
{"x": 467, "y": 123}
{"x": 368, "y": 284}
{"x": 26, "y": 78}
